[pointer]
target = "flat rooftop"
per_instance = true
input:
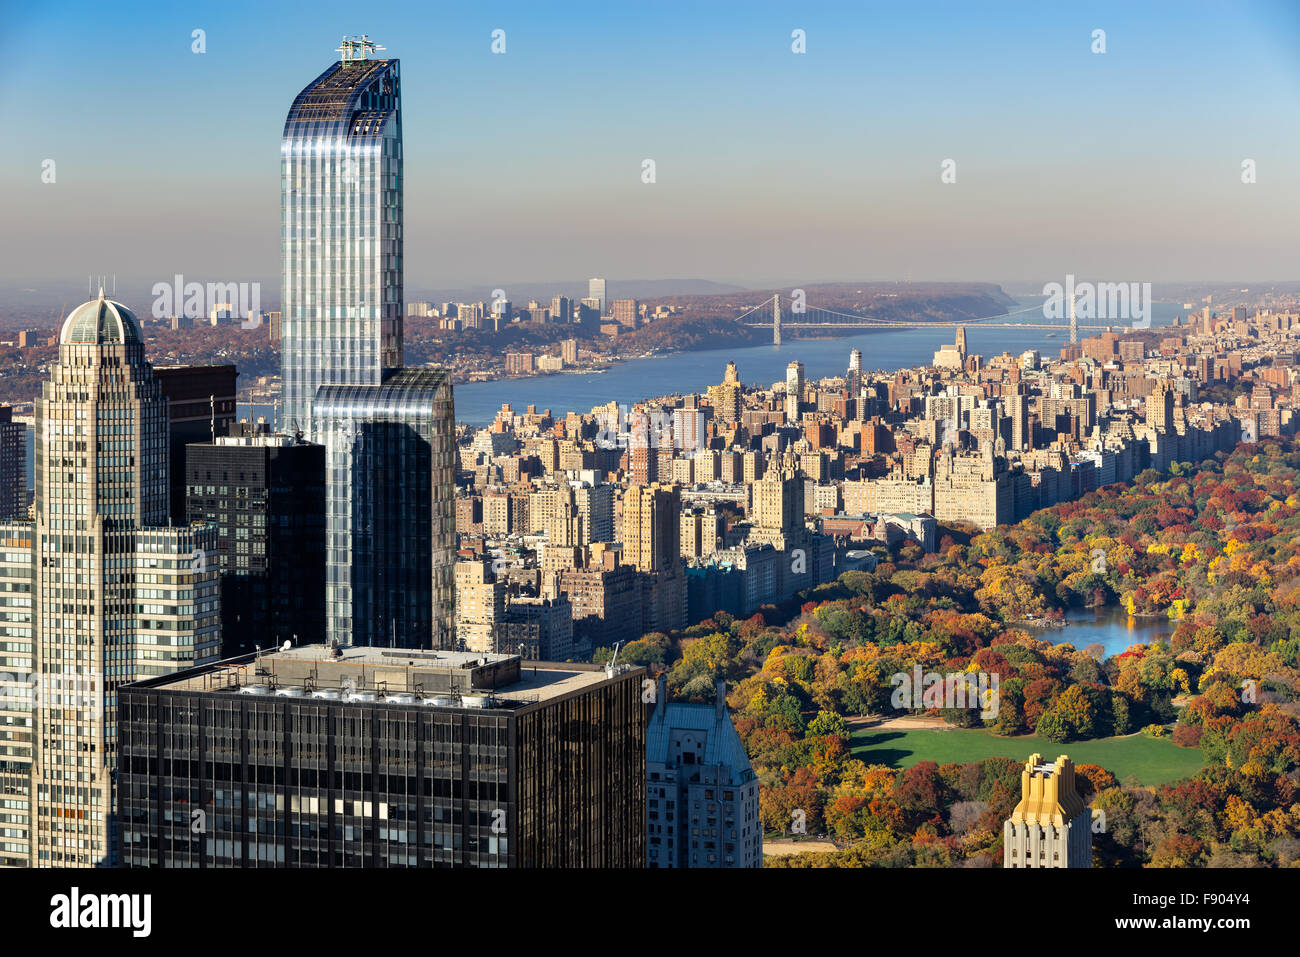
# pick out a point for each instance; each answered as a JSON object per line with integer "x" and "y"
{"x": 374, "y": 675}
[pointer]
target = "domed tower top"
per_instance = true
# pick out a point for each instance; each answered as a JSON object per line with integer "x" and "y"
{"x": 100, "y": 321}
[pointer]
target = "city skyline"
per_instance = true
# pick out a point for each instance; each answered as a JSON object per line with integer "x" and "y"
{"x": 1066, "y": 160}
{"x": 905, "y": 572}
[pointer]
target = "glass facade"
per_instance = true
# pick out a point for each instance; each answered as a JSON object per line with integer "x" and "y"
{"x": 390, "y": 534}
{"x": 266, "y": 496}
{"x": 341, "y": 222}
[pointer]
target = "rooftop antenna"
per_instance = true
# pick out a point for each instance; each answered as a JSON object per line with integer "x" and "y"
{"x": 613, "y": 662}
{"x": 357, "y": 48}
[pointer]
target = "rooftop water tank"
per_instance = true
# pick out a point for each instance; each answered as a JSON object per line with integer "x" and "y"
{"x": 254, "y": 689}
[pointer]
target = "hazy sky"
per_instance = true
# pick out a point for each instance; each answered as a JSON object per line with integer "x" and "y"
{"x": 771, "y": 166}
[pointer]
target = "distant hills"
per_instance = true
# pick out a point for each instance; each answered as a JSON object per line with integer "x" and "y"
{"x": 520, "y": 293}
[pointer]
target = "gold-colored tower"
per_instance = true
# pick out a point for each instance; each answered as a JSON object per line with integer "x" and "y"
{"x": 1051, "y": 826}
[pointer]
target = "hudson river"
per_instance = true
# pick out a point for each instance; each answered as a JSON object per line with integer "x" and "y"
{"x": 628, "y": 382}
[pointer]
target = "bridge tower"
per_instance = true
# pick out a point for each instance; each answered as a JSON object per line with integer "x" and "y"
{"x": 776, "y": 319}
{"x": 1074, "y": 325}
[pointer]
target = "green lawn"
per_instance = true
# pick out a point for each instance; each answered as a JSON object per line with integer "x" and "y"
{"x": 1153, "y": 760}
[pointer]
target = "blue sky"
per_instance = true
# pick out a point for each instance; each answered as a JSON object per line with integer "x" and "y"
{"x": 771, "y": 166}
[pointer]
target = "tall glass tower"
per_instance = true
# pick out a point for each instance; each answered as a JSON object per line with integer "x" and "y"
{"x": 390, "y": 501}
{"x": 389, "y": 433}
{"x": 341, "y": 229}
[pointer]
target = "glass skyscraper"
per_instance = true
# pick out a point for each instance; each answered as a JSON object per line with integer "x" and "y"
{"x": 391, "y": 522}
{"x": 389, "y": 432}
{"x": 341, "y": 228}
{"x": 596, "y": 290}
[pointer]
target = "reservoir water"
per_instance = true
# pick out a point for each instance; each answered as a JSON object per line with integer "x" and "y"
{"x": 1110, "y": 626}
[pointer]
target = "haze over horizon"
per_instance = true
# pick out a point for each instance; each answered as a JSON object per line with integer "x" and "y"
{"x": 771, "y": 167}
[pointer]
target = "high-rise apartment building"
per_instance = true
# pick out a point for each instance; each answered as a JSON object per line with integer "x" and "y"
{"x": 363, "y": 757}
{"x": 1018, "y": 413}
{"x": 201, "y": 406}
{"x": 596, "y": 291}
{"x": 701, "y": 532}
{"x": 794, "y": 386}
{"x": 853, "y": 378}
{"x": 265, "y": 492}
{"x": 341, "y": 228}
{"x": 115, "y": 596}
{"x": 652, "y": 544}
{"x": 539, "y": 629}
{"x": 16, "y": 637}
{"x": 1051, "y": 826}
{"x": 390, "y": 534}
{"x": 727, "y": 397}
{"x": 652, "y": 526}
{"x": 605, "y": 596}
{"x": 973, "y": 487}
{"x": 569, "y": 352}
{"x": 627, "y": 312}
{"x": 1160, "y": 407}
{"x": 389, "y": 432}
{"x": 777, "y": 510}
{"x": 701, "y": 792}
{"x": 577, "y": 513}
{"x": 480, "y": 606}
{"x": 13, "y": 466}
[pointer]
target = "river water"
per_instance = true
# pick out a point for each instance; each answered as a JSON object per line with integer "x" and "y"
{"x": 628, "y": 382}
{"x": 637, "y": 379}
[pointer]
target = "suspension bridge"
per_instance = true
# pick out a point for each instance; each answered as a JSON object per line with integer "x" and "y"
{"x": 784, "y": 311}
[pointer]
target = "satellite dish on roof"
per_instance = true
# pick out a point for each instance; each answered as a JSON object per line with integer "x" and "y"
{"x": 286, "y": 646}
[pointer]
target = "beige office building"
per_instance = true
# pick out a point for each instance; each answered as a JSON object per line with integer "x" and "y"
{"x": 117, "y": 595}
{"x": 480, "y": 606}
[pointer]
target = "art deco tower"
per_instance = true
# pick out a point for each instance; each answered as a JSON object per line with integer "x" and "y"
{"x": 118, "y": 596}
{"x": 1051, "y": 826}
{"x": 341, "y": 230}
